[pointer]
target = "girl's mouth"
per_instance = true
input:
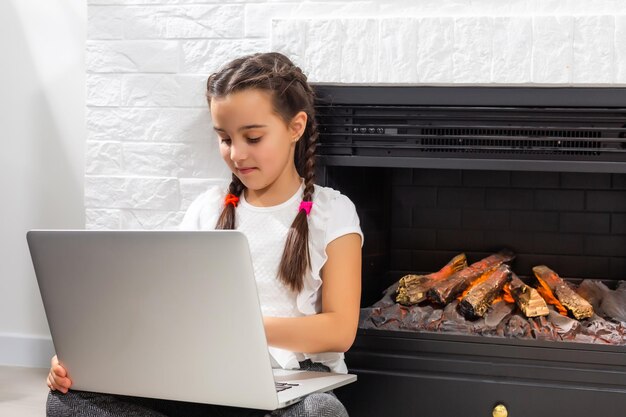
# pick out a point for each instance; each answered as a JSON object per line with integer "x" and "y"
{"x": 245, "y": 171}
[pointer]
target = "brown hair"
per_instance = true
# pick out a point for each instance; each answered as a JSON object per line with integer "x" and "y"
{"x": 290, "y": 93}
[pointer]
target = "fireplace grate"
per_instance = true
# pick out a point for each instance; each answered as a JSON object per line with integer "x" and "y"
{"x": 474, "y": 136}
{"x": 378, "y": 130}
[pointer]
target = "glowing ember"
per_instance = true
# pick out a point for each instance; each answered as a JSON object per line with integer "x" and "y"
{"x": 506, "y": 296}
{"x": 547, "y": 295}
{"x": 477, "y": 281}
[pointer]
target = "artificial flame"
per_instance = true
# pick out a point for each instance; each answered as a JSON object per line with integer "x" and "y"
{"x": 508, "y": 297}
{"x": 547, "y": 295}
{"x": 505, "y": 296}
{"x": 474, "y": 283}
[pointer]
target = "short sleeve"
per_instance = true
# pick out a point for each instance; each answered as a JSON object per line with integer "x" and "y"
{"x": 342, "y": 220}
{"x": 203, "y": 212}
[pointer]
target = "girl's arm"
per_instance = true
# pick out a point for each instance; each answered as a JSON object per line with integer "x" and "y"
{"x": 334, "y": 329}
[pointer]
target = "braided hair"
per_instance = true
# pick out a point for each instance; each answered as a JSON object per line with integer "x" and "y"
{"x": 290, "y": 93}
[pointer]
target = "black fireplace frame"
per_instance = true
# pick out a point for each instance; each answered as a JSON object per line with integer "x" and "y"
{"x": 436, "y": 374}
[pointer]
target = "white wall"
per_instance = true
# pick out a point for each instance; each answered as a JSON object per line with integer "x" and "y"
{"x": 42, "y": 158}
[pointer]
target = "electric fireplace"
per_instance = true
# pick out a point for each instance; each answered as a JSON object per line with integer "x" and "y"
{"x": 436, "y": 172}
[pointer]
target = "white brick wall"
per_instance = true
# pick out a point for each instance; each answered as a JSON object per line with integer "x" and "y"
{"x": 150, "y": 149}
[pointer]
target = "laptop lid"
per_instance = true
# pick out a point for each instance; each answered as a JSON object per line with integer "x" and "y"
{"x": 163, "y": 314}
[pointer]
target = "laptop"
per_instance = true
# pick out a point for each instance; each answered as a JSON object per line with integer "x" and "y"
{"x": 163, "y": 314}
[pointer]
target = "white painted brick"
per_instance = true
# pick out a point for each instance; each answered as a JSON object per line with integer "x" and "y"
{"x": 451, "y": 8}
{"x": 103, "y": 158}
{"x": 454, "y": 8}
{"x": 512, "y": 50}
{"x": 620, "y": 49}
{"x": 359, "y": 52}
{"x": 333, "y": 10}
{"x": 150, "y": 90}
{"x": 556, "y": 7}
{"x": 167, "y": 159}
{"x": 577, "y": 7}
{"x": 552, "y": 49}
{"x": 323, "y": 50}
{"x": 158, "y": 2}
{"x": 164, "y": 90}
{"x": 103, "y": 90}
{"x": 191, "y": 125}
{"x": 105, "y": 22}
{"x": 192, "y": 91}
{"x": 434, "y": 50}
{"x": 132, "y": 193}
{"x": 150, "y": 220}
{"x": 421, "y": 9}
{"x": 593, "y": 49}
{"x": 207, "y": 56}
{"x": 185, "y": 21}
{"x": 132, "y": 56}
{"x": 496, "y": 7}
{"x": 104, "y": 124}
{"x": 397, "y": 60}
{"x": 472, "y": 49}
{"x": 191, "y": 188}
{"x": 258, "y": 20}
{"x": 289, "y": 38}
{"x": 102, "y": 219}
{"x": 149, "y": 124}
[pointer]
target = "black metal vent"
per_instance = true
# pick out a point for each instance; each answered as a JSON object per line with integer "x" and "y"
{"x": 491, "y": 136}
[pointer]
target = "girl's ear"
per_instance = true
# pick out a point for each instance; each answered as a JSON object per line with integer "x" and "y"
{"x": 297, "y": 125}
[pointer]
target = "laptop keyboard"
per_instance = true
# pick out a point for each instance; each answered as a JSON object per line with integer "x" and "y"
{"x": 281, "y": 386}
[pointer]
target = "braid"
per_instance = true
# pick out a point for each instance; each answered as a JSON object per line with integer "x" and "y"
{"x": 308, "y": 161}
{"x": 226, "y": 221}
{"x": 296, "y": 258}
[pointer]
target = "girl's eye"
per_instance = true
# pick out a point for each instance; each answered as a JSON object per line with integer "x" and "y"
{"x": 225, "y": 141}
{"x": 254, "y": 140}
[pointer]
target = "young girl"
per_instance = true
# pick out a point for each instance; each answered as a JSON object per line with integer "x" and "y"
{"x": 305, "y": 239}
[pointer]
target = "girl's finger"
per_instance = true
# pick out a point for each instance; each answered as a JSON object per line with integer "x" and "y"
{"x": 57, "y": 382}
{"x": 60, "y": 371}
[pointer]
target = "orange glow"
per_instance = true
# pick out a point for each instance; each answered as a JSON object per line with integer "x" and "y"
{"x": 506, "y": 294}
{"x": 456, "y": 264}
{"x": 547, "y": 295}
{"x": 474, "y": 283}
{"x": 439, "y": 275}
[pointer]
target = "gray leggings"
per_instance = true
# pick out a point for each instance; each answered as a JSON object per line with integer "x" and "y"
{"x": 92, "y": 404}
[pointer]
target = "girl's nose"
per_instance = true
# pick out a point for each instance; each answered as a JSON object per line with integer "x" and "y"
{"x": 238, "y": 152}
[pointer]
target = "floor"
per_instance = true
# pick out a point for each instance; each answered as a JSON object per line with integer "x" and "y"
{"x": 23, "y": 391}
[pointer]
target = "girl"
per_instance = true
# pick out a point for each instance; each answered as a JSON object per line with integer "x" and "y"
{"x": 305, "y": 239}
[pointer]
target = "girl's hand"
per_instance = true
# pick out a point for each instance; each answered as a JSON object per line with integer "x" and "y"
{"x": 57, "y": 378}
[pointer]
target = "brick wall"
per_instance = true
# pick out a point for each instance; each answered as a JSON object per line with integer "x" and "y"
{"x": 575, "y": 222}
{"x": 150, "y": 149}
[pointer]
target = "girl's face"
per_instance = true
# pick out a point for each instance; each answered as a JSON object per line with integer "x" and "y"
{"x": 256, "y": 143}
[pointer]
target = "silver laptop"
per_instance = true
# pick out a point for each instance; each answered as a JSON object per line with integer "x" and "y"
{"x": 163, "y": 314}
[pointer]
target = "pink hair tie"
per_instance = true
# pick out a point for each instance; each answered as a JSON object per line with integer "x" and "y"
{"x": 306, "y": 206}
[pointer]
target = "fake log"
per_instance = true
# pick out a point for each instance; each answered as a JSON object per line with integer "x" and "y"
{"x": 580, "y": 308}
{"x": 445, "y": 291}
{"x": 479, "y": 298}
{"x": 412, "y": 289}
{"x": 527, "y": 298}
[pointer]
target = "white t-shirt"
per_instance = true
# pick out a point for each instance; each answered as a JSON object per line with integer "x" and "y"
{"x": 333, "y": 215}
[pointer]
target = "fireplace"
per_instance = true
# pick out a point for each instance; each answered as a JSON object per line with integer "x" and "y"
{"x": 436, "y": 171}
